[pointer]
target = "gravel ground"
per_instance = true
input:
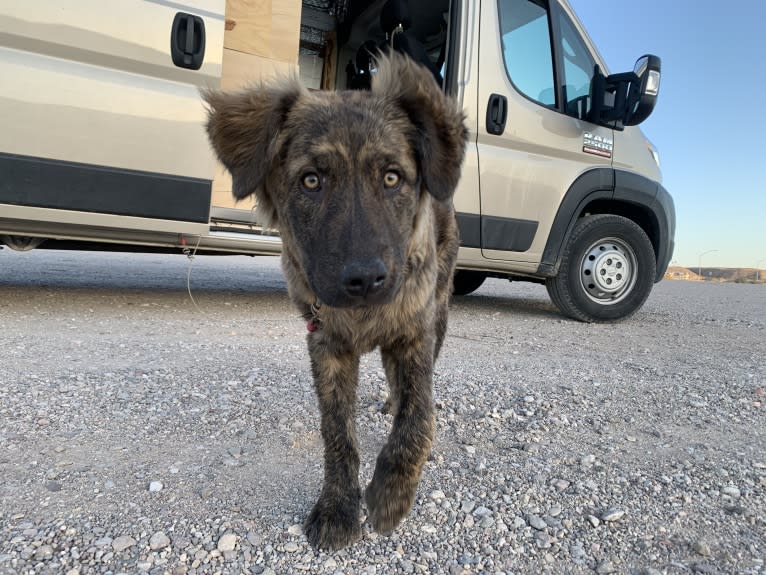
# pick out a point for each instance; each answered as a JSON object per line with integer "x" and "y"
{"x": 141, "y": 433}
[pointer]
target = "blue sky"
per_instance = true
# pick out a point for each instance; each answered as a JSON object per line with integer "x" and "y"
{"x": 710, "y": 119}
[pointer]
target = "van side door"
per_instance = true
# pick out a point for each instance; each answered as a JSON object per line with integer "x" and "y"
{"x": 102, "y": 122}
{"x": 534, "y": 81}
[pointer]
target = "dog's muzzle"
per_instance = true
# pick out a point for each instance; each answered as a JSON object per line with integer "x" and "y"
{"x": 359, "y": 282}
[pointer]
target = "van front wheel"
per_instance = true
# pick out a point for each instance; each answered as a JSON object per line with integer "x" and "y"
{"x": 607, "y": 270}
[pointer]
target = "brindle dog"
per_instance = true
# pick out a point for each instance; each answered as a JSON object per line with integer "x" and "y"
{"x": 359, "y": 185}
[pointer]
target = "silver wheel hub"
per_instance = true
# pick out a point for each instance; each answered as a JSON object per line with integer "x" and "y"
{"x": 608, "y": 271}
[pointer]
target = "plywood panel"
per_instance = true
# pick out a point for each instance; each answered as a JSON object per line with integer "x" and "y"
{"x": 241, "y": 70}
{"x": 268, "y": 28}
{"x": 261, "y": 41}
{"x": 285, "y": 30}
{"x": 248, "y": 26}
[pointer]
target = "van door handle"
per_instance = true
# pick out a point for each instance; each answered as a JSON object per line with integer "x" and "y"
{"x": 187, "y": 41}
{"x": 497, "y": 112}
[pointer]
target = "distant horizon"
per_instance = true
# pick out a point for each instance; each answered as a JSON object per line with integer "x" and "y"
{"x": 706, "y": 267}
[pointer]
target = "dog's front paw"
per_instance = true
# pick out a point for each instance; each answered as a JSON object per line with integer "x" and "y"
{"x": 390, "y": 496}
{"x": 333, "y": 523}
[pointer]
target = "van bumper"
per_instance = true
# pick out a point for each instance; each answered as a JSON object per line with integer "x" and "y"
{"x": 665, "y": 212}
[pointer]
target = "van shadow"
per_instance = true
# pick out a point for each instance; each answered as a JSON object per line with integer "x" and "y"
{"x": 531, "y": 307}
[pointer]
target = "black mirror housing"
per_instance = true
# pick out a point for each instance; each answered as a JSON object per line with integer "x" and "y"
{"x": 625, "y": 99}
{"x": 647, "y": 69}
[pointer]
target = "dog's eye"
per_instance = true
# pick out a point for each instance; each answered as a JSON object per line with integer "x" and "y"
{"x": 311, "y": 182}
{"x": 391, "y": 180}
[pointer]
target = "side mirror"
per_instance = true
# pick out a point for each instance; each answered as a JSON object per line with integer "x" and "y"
{"x": 647, "y": 70}
{"x": 625, "y": 99}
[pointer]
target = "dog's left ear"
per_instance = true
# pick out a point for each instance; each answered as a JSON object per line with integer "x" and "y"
{"x": 441, "y": 131}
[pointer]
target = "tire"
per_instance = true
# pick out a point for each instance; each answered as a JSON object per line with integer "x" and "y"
{"x": 607, "y": 270}
{"x": 467, "y": 281}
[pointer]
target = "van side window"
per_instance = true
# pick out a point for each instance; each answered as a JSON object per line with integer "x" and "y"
{"x": 526, "y": 38}
{"x": 578, "y": 70}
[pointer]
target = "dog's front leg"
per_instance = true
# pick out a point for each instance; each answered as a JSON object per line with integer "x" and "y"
{"x": 391, "y": 492}
{"x": 334, "y": 521}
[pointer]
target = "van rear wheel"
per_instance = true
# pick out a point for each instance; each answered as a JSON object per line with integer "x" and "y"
{"x": 467, "y": 281}
{"x": 607, "y": 270}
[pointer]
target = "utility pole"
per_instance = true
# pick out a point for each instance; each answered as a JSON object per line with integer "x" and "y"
{"x": 758, "y": 269}
{"x": 699, "y": 267}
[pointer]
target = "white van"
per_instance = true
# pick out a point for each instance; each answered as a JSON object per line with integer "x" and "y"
{"x": 102, "y": 141}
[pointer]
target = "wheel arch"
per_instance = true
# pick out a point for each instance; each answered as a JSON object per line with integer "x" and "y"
{"x": 638, "y": 213}
{"x": 618, "y": 192}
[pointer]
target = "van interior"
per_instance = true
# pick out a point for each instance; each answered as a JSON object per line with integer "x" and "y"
{"x": 339, "y": 38}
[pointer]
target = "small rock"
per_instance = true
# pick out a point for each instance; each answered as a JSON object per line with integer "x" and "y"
{"x": 588, "y": 460}
{"x": 227, "y": 542}
{"x": 605, "y": 567}
{"x": 103, "y": 542}
{"x": 155, "y": 486}
{"x": 482, "y": 512}
{"x": 122, "y": 542}
{"x": 612, "y": 514}
{"x": 291, "y": 547}
{"x": 594, "y": 520}
{"x": 731, "y": 491}
{"x": 543, "y": 540}
{"x": 44, "y": 553}
{"x": 254, "y": 539}
{"x": 537, "y": 522}
{"x": 437, "y": 495}
{"x": 470, "y": 449}
{"x": 235, "y": 452}
{"x": 53, "y": 486}
{"x": 467, "y": 506}
{"x": 158, "y": 541}
{"x": 296, "y": 529}
{"x": 702, "y": 548}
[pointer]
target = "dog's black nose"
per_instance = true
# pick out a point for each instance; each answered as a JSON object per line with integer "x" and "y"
{"x": 364, "y": 278}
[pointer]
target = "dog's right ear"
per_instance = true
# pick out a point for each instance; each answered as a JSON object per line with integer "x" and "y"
{"x": 244, "y": 131}
{"x": 440, "y": 125}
